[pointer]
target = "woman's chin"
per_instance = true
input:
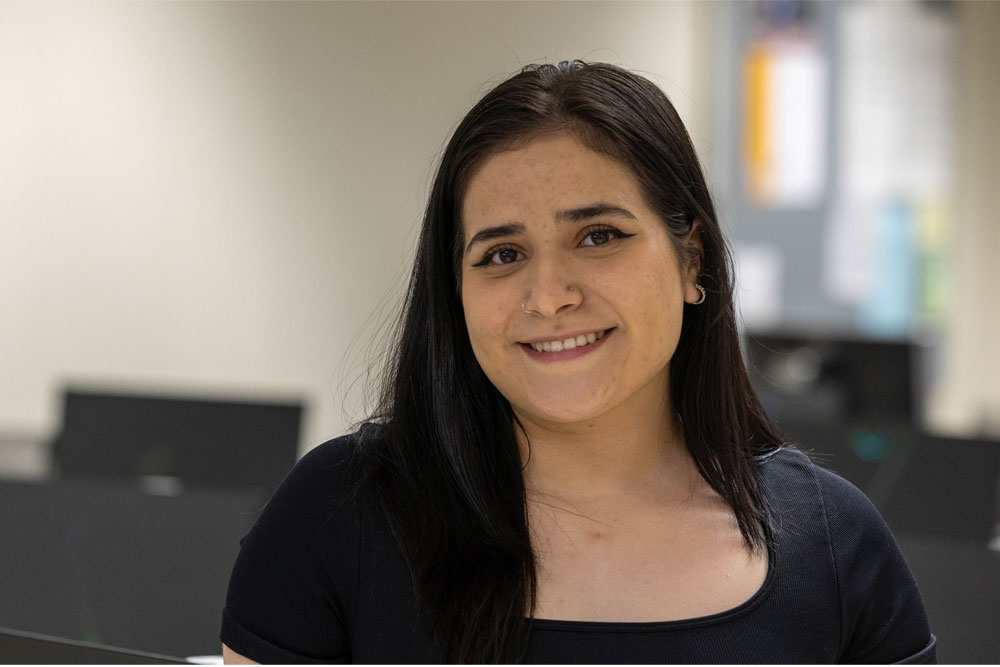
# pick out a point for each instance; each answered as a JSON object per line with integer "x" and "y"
{"x": 563, "y": 413}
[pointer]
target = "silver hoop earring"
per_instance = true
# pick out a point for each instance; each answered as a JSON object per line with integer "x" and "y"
{"x": 703, "y": 295}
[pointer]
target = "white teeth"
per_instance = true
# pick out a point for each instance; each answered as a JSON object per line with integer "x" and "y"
{"x": 568, "y": 344}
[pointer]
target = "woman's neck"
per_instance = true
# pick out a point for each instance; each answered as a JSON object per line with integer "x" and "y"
{"x": 635, "y": 449}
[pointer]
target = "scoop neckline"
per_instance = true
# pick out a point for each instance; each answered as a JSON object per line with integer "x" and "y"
{"x": 676, "y": 624}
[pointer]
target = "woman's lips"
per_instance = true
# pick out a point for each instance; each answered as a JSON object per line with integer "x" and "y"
{"x": 567, "y": 354}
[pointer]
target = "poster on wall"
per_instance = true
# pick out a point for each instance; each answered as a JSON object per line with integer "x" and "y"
{"x": 785, "y": 100}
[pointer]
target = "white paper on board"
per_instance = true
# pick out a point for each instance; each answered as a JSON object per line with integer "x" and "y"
{"x": 760, "y": 269}
{"x": 798, "y": 125}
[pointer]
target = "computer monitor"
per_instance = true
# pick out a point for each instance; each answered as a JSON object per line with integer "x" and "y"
{"x": 199, "y": 442}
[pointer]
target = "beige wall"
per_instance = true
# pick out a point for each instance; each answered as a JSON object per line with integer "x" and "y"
{"x": 968, "y": 397}
{"x": 215, "y": 198}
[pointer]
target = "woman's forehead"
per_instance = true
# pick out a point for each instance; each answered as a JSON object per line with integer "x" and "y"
{"x": 547, "y": 175}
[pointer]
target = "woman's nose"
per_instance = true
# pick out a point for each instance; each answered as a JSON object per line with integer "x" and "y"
{"x": 552, "y": 290}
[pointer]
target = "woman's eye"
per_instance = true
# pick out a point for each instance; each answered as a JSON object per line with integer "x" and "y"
{"x": 499, "y": 256}
{"x": 602, "y": 236}
{"x": 505, "y": 256}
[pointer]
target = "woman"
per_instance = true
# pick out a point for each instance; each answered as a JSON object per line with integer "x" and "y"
{"x": 569, "y": 463}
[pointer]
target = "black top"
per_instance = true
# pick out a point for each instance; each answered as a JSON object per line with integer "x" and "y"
{"x": 321, "y": 580}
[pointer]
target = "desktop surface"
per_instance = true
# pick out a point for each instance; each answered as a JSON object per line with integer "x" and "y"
{"x": 27, "y": 648}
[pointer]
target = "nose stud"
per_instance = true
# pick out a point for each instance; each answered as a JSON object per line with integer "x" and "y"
{"x": 529, "y": 311}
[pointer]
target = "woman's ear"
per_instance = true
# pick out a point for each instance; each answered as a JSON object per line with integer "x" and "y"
{"x": 693, "y": 251}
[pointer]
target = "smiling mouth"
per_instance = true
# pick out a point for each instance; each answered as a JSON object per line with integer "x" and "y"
{"x": 568, "y": 343}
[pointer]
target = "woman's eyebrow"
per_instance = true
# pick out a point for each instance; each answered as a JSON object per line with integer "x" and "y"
{"x": 491, "y": 233}
{"x": 592, "y": 211}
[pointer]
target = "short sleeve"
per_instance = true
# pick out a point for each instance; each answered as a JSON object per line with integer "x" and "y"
{"x": 294, "y": 579}
{"x": 882, "y": 614}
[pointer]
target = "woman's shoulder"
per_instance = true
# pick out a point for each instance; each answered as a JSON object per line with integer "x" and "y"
{"x": 789, "y": 473}
{"x": 321, "y": 502}
{"x": 801, "y": 491}
{"x": 319, "y": 476}
{"x": 819, "y": 517}
{"x": 806, "y": 497}
{"x": 336, "y": 453}
{"x": 815, "y": 513}
{"x": 329, "y": 471}
{"x": 294, "y": 585}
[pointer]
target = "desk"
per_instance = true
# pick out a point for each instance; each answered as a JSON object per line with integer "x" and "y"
{"x": 105, "y": 562}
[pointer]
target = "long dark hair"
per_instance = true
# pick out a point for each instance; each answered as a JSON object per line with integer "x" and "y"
{"x": 441, "y": 454}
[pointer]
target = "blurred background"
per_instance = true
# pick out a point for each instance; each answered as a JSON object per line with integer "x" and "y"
{"x": 208, "y": 211}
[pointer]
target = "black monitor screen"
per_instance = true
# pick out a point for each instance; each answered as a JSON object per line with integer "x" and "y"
{"x": 198, "y": 442}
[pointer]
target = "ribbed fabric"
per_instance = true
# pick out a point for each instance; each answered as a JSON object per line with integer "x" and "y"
{"x": 321, "y": 580}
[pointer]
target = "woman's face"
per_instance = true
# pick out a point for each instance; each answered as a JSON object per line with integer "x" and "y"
{"x": 573, "y": 292}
